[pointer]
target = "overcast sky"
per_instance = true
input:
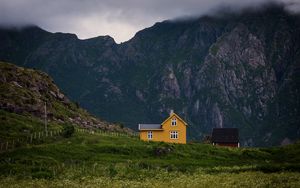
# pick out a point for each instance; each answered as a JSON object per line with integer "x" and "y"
{"x": 120, "y": 19}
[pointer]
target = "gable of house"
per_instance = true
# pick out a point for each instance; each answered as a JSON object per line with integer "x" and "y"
{"x": 171, "y": 117}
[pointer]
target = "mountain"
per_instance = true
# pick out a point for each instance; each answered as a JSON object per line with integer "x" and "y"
{"x": 23, "y": 93}
{"x": 228, "y": 70}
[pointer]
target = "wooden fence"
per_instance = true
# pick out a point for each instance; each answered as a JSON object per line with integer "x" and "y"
{"x": 36, "y": 137}
{"x": 107, "y": 133}
{"x": 30, "y": 139}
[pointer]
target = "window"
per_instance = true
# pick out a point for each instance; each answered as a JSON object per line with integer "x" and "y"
{"x": 173, "y": 122}
{"x": 173, "y": 134}
{"x": 149, "y": 135}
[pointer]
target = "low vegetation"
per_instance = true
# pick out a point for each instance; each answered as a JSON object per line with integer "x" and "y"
{"x": 98, "y": 160}
{"x": 17, "y": 126}
{"x": 164, "y": 179}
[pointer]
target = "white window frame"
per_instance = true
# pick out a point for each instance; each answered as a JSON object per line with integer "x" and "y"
{"x": 173, "y": 121}
{"x": 173, "y": 134}
{"x": 150, "y": 135}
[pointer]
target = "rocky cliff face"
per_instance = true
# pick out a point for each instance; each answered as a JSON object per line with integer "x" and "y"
{"x": 235, "y": 70}
{"x": 27, "y": 92}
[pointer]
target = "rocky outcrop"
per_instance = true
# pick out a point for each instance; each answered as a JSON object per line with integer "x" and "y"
{"x": 26, "y": 91}
{"x": 170, "y": 87}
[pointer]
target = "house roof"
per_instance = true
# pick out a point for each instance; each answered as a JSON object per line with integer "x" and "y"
{"x": 173, "y": 114}
{"x": 225, "y": 135}
{"x": 149, "y": 126}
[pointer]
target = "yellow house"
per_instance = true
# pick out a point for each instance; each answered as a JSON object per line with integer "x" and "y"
{"x": 172, "y": 130}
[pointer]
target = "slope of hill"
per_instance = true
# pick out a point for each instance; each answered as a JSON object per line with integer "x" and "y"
{"x": 235, "y": 70}
{"x": 23, "y": 93}
{"x": 93, "y": 160}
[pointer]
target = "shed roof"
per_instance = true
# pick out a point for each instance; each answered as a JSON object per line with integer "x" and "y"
{"x": 225, "y": 135}
{"x": 149, "y": 126}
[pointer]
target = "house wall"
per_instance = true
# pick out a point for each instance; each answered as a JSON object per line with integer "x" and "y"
{"x": 180, "y": 128}
{"x": 164, "y": 135}
{"x": 157, "y": 135}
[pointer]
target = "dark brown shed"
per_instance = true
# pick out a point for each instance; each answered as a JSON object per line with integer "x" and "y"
{"x": 226, "y": 137}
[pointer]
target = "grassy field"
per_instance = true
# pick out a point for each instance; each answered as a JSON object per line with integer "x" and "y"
{"x": 196, "y": 180}
{"x": 94, "y": 160}
{"x": 14, "y": 126}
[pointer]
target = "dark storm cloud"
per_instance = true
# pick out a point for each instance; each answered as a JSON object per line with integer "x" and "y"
{"x": 118, "y": 18}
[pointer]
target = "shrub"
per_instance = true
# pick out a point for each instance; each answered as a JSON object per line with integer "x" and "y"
{"x": 120, "y": 125}
{"x": 207, "y": 139}
{"x": 68, "y": 131}
{"x": 163, "y": 150}
{"x": 112, "y": 172}
{"x": 42, "y": 175}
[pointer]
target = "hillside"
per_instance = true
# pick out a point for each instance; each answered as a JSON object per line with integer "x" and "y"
{"x": 97, "y": 160}
{"x": 23, "y": 93}
{"x": 232, "y": 70}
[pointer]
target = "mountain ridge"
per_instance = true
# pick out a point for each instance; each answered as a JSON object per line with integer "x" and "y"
{"x": 234, "y": 71}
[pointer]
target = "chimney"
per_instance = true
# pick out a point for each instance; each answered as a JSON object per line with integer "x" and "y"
{"x": 171, "y": 112}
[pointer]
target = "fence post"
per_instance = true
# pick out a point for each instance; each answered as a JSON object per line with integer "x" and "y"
{"x": 7, "y": 145}
{"x": 39, "y": 135}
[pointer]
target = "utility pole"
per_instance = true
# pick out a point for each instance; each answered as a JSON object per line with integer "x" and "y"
{"x": 46, "y": 128}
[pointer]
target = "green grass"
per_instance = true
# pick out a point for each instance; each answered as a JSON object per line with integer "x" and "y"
{"x": 165, "y": 179}
{"x": 15, "y": 126}
{"x": 98, "y": 160}
{"x": 113, "y": 161}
